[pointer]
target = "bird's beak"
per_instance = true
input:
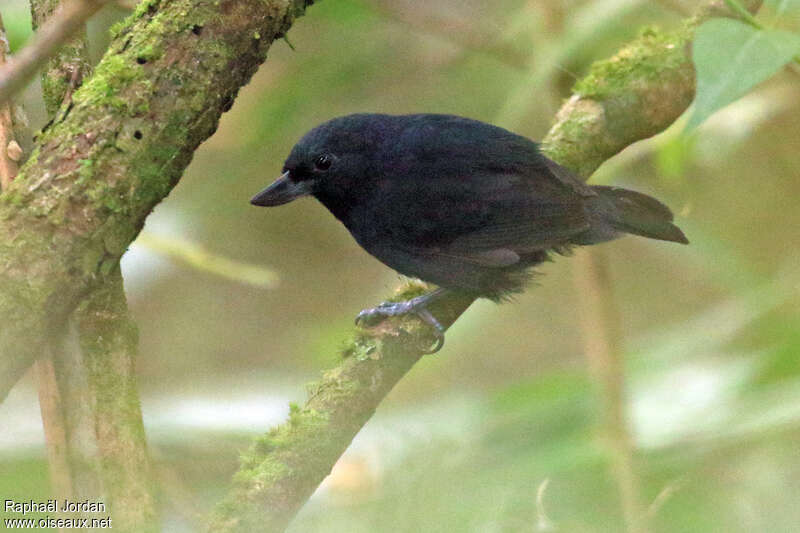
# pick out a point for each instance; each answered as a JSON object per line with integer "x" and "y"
{"x": 282, "y": 191}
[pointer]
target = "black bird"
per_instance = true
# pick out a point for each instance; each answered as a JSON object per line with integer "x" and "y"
{"x": 462, "y": 204}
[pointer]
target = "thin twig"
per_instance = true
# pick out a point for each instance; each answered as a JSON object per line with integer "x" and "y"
{"x": 603, "y": 347}
{"x": 543, "y": 522}
{"x": 67, "y": 20}
{"x": 55, "y": 435}
{"x": 600, "y": 325}
{"x": 196, "y": 256}
{"x": 8, "y": 165}
{"x": 747, "y": 17}
{"x": 744, "y": 14}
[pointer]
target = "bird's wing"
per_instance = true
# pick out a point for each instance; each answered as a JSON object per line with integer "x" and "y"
{"x": 525, "y": 226}
{"x": 473, "y": 191}
{"x": 486, "y": 219}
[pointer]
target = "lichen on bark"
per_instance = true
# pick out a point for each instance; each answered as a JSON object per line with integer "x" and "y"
{"x": 108, "y": 339}
{"x": 64, "y": 71}
{"x": 117, "y": 150}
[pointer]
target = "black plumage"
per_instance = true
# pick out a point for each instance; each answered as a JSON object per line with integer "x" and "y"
{"x": 465, "y": 205}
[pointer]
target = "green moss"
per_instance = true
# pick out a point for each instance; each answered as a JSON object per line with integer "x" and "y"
{"x": 362, "y": 346}
{"x": 149, "y": 52}
{"x": 645, "y": 59}
{"x": 54, "y": 87}
{"x": 335, "y": 386}
{"x": 302, "y": 422}
{"x": 118, "y": 27}
{"x": 145, "y": 7}
{"x": 115, "y": 73}
{"x": 264, "y": 473}
{"x": 85, "y": 171}
{"x": 411, "y": 289}
{"x": 294, "y": 413}
{"x": 106, "y": 198}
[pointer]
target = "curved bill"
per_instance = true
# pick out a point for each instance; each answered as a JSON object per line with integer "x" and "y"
{"x": 282, "y": 191}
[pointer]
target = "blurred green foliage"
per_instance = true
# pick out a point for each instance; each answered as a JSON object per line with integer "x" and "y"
{"x": 731, "y": 57}
{"x": 466, "y": 441}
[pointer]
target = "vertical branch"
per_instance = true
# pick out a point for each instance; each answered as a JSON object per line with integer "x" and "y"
{"x": 50, "y": 401}
{"x": 8, "y": 164}
{"x": 90, "y": 404}
{"x": 108, "y": 343}
{"x": 600, "y": 322}
{"x": 599, "y": 314}
{"x": 602, "y": 339}
{"x": 61, "y": 378}
{"x": 55, "y": 434}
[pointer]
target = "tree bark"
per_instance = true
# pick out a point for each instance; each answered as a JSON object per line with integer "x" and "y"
{"x": 117, "y": 150}
{"x": 90, "y": 404}
{"x": 108, "y": 344}
{"x": 66, "y": 70}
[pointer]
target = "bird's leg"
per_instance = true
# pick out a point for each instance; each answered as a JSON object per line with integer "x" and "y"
{"x": 418, "y": 306}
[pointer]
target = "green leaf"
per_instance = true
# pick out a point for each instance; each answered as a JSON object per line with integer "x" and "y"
{"x": 731, "y": 57}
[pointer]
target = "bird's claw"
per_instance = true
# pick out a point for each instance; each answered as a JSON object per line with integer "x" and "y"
{"x": 438, "y": 330}
{"x": 375, "y": 315}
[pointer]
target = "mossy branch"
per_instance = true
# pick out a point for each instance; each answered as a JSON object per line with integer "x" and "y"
{"x": 65, "y": 70}
{"x": 634, "y": 95}
{"x": 116, "y": 150}
{"x": 8, "y": 163}
{"x": 108, "y": 341}
{"x": 94, "y": 385}
{"x": 286, "y": 465}
{"x": 61, "y": 376}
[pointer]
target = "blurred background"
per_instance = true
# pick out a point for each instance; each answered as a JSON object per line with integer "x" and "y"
{"x": 239, "y": 307}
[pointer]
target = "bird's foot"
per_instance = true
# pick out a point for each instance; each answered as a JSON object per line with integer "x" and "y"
{"x": 375, "y": 315}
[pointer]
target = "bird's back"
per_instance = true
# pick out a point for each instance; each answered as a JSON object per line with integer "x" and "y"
{"x": 462, "y": 203}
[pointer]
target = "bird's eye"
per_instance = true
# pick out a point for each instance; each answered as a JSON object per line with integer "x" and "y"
{"x": 323, "y": 162}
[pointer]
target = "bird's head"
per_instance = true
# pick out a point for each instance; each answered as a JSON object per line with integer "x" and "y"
{"x": 331, "y": 161}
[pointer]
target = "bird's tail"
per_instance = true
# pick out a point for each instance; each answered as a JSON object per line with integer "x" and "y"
{"x": 633, "y": 212}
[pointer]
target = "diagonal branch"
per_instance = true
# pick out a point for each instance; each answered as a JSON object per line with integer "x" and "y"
{"x": 635, "y": 94}
{"x": 60, "y": 380}
{"x": 116, "y": 151}
{"x": 285, "y": 466}
{"x": 90, "y": 405}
